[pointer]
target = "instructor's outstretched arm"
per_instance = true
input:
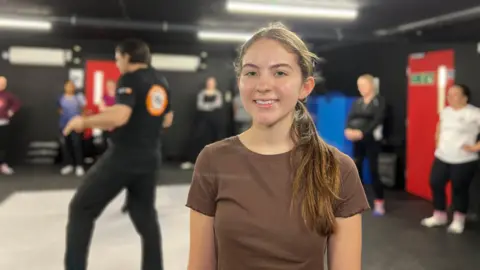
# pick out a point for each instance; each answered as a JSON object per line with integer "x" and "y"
{"x": 113, "y": 117}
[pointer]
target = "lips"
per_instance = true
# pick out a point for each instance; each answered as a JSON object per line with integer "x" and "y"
{"x": 265, "y": 102}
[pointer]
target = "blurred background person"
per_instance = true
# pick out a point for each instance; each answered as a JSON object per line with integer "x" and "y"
{"x": 365, "y": 130}
{"x": 70, "y": 105}
{"x": 9, "y": 105}
{"x": 456, "y": 159}
{"x": 208, "y": 125}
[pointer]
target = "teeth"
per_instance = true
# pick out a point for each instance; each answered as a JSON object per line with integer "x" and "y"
{"x": 264, "y": 102}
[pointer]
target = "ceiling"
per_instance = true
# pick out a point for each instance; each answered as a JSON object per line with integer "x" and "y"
{"x": 118, "y": 19}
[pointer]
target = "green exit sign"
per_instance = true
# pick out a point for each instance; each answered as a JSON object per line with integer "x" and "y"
{"x": 422, "y": 78}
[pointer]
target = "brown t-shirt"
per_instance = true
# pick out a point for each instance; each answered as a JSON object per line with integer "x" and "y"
{"x": 249, "y": 196}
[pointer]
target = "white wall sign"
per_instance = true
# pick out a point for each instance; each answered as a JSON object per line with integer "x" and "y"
{"x": 77, "y": 76}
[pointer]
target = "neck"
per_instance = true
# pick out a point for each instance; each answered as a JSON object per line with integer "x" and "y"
{"x": 459, "y": 107}
{"x": 135, "y": 67}
{"x": 368, "y": 98}
{"x": 271, "y": 140}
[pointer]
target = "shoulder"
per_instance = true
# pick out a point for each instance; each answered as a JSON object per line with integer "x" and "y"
{"x": 379, "y": 100}
{"x": 346, "y": 163}
{"x": 222, "y": 148}
{"x": 473, "y": 111}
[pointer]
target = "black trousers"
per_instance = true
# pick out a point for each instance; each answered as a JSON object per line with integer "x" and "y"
{"x": 461, "y": 176}
{"x": 4, "y": 139}
{"x": 103, "y": 182}
{"x": 208, "y": 128}
{"x": 369, "y": 148}
{"x": 71, "y": 145}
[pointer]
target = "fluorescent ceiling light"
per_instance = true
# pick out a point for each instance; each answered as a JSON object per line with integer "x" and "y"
{"x": 25, "y": 24}
{"x": 290, "y": 10}
{"x": 172, "y": 62}
{"x": 223, "y": 36}
{"x": 36, "y": 56}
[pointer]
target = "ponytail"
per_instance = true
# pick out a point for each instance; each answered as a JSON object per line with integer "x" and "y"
{"x": 317, "y": 177}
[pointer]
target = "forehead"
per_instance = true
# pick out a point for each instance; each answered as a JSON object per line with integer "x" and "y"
{"x": 267, "y": 52}
{"x": 363, "y": 80}
{"x": 455, "y": 90}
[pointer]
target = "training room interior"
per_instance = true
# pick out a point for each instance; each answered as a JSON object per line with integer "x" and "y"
{"x": 45, "y": 43}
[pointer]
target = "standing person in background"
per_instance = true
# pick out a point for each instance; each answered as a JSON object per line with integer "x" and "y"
{"x": 365, "y": 130}
{"x": 456, "y": 159}
{"x": 208, "y": 125}
{"x": 9, "y": 105}
{"x": 240, "y": 116}
{"x": 71, "y": 105}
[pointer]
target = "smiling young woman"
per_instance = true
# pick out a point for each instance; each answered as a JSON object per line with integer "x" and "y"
{"x": 275, "y": 196}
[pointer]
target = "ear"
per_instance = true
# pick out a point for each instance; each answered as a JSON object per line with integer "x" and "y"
{"x": 307, "y": 88}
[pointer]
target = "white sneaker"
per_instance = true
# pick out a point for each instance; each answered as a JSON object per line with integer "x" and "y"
{"x": 66, "y": 170}
{"x": 187, "y": 165}
{"x": 79, "y": 171}
{"x": 456, "y": 227}
{"x": 5, "y": 169}
{"x": 434, "y": 221}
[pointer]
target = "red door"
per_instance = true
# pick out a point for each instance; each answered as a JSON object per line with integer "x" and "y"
{"x": 430, "y": 74}
{"x": 97, "y": 73}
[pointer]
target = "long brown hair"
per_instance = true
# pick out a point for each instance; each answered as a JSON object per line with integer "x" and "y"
{"x": 317, "y": 175}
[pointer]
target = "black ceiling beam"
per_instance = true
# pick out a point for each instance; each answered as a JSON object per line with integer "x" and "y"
{"x": 164, "y": 26}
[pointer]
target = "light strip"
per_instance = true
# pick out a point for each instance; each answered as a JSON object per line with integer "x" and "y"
{"x": 291, "y": 10}
{"x": 36, "y": 56}
{"x": 442, "y": 80}
{"x": 172, "y": 62}
{"x": 223, "y": 36}
{"x": 25, "y": 24}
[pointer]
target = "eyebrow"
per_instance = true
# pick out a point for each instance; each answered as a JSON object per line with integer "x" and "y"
{"x": 272, "y": 66}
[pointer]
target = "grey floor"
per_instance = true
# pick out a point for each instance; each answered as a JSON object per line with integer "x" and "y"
{"x": 33, "y": 210}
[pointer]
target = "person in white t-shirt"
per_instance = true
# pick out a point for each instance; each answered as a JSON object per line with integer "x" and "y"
{"x": 456, "y": 158}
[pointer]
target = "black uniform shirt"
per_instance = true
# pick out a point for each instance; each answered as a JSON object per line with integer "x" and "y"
{"x": 136, "y": 142}
{"x": 367, "y": 117}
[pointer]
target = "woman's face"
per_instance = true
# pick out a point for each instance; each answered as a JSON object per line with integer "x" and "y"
{"x": 365, "y": 86}
{"x": 69, "y": 87}
{"x": 455, "y": 97}
{"x": 111, "y": 87}
{"x": 271, "y": 83}
{"x": 211, "y": 83}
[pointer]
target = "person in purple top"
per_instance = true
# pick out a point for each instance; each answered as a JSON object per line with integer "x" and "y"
{"x": 9, "y": 105}
{"x": 109, "y": 97}
{"x": 70, "y": 105}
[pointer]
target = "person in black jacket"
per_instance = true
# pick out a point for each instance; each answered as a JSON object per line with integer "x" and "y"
{"x": 364, "y": 129}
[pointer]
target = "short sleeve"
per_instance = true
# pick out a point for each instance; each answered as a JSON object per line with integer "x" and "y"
{"x": 476, "y": 116}
{"x": 164, "y": 83}
{"x": 124, "y": 94}
{"x": 203, "y": 190}
{"x": 352, "y": 195}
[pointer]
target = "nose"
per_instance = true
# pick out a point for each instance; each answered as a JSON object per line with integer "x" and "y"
{"x": 265, "y": 82}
